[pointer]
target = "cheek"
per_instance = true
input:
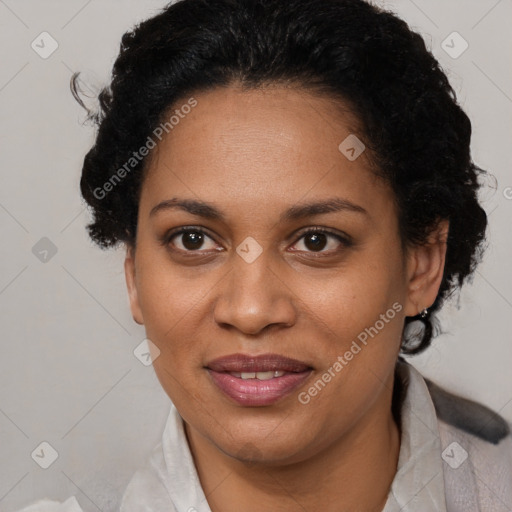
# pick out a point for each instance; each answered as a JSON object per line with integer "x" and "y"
{"x": 171, "y": 305}
{"x": 354, "y": 297}
{"x": 356, "y": 323}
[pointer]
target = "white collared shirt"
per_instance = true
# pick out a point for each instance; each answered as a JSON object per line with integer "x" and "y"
{"x": 455, "y": 456}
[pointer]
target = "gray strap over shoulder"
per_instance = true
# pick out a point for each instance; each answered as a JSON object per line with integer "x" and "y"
{"x": 477, "y": 454}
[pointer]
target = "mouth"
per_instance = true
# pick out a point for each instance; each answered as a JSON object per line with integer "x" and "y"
{"x": 257, "y": 380}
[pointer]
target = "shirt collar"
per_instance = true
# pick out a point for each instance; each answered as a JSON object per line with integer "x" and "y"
{"x": 418, "y": 483}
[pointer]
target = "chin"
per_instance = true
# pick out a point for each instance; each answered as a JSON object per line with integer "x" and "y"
{"x": 262, "y": 446}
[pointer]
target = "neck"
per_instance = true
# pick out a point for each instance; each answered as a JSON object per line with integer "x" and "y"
{"x": 353, "y": 474}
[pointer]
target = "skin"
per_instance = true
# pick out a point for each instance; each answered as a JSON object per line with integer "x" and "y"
{"x": 252, "y": 155}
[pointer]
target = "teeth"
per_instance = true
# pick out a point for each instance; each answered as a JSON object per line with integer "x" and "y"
{"x": 259, "y": 375}
{"x": 264, "y": 375}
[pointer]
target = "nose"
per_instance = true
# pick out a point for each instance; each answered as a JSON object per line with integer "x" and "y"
{"x": 252, "y": 297}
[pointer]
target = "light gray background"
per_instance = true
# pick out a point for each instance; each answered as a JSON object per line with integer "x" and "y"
{"x": 68, "y": 375}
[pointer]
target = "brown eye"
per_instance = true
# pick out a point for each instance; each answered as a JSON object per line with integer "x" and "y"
{"x": 315, "y": 241}
{"x": 191, "y": 240}
{"x": 320, "y": 241}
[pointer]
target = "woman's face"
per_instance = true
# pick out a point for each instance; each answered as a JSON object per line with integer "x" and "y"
{"x": 248, "y": 278}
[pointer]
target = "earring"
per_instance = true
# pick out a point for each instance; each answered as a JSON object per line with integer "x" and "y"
{"x": 423, "y": 314}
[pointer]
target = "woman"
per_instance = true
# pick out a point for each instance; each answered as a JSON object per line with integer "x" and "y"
{"x": 293, "y": 184}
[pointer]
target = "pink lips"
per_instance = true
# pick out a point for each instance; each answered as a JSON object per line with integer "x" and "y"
{"x": 226, "y": 374}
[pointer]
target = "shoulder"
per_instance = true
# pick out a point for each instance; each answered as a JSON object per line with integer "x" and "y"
{"x": 46, "y": 505}
{"x": 476, "y": 450}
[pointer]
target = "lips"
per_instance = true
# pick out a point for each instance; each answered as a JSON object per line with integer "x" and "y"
{"x": 257, "y": 380}
{"x": 262, "y": 363}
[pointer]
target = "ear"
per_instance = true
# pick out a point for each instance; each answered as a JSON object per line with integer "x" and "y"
{"x": 131, "y": 284}
{"x": 425, "y": 268}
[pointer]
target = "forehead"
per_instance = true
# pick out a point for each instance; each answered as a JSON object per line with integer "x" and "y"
{"x": 261, "y": 147}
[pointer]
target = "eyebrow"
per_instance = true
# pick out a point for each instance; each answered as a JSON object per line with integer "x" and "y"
{"x": 299, "y": 211}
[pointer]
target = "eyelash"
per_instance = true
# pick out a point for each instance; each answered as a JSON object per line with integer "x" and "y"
{"x": 344, "y": 240}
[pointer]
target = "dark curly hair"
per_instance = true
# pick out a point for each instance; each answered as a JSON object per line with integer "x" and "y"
{"x": 417, "y": 134}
